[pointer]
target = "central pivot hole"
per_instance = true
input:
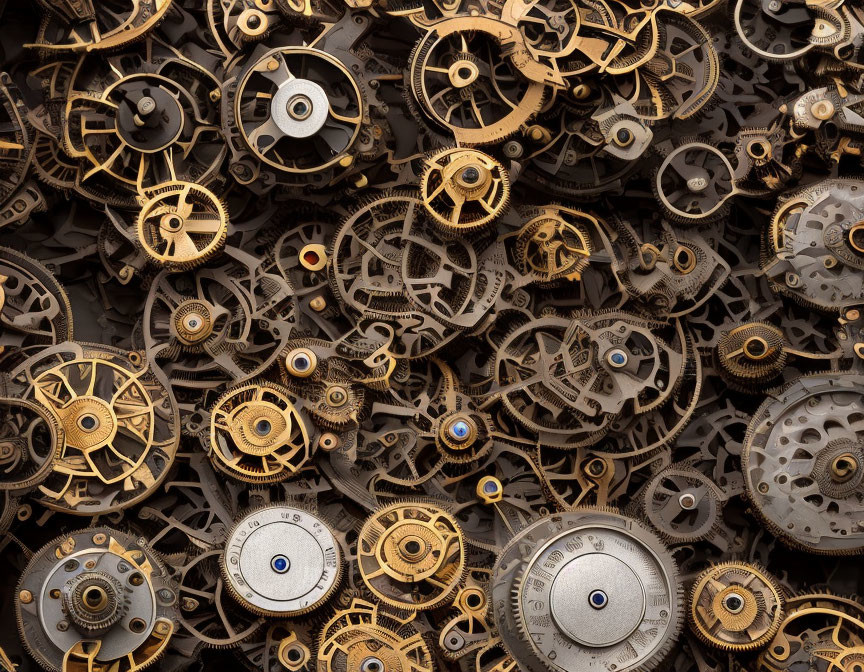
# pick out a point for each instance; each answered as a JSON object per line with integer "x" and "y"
{"x": 598, "y": 599}
{"x": 299, "y": 107}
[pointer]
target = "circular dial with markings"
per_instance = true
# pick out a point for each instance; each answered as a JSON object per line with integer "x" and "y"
{"x": 586, "y": 590}
{"x": 281, "y": 561}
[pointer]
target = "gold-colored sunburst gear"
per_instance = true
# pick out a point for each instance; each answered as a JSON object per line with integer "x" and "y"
{"x": 751, "y": 354}
{"x": 464, "y": 189}
{"x": 119, "y": 422}
{"x": 736, "y": 606}
{"x": 257, "y": 434}
{"x": 181, "y": 225}
{"x": 412, "y": 555}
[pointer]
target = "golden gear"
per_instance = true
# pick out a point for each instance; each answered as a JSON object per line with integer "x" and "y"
{"x": 751, "y": 354}
{"x": 120, "y": 425}
{"x": 181, "y": 225}
{"x": 816, "y": 626}
{"x": 362, "y": 639}
{"x": 192, "y": 322}
{"x": 464, "y": 189}
{"x": 411, "y": 555}
{"x": 554, "y": 244}
{"x": 257, "y": 434}
{"x": 736, "y": 606}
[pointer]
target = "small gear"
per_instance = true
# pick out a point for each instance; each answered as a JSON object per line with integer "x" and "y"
{"x": 181, "y": 225}
{"x": 554, "y": 244}
{"x": 464, "y": 189}
{"x": 683, "y": 504}
{"x": 94, "y": 601}
{"x": 751, "y": 355}
{"x": 736, "y": 606}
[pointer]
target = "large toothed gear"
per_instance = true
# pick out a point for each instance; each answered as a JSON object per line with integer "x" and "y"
{"x": 803, "y": 463}
{"x": 585, "y": 373}
{"x": 364, "y": 638}
{"x": 736, "y": 606}
{"x": 181, "y": 225}
{"x": 120, "y": 423}
{"x": 576, "y": 588}
{"x": 96, "y": 597}
{"x": 281, "y": 561}
{"x": 465, "y": 85}
{"x": 412, "y": 555}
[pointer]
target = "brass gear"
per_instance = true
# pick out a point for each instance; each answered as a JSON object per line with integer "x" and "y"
{"x": 109, "y": 404}
{"x": 257, "y": 434}
{"x": 736, "y": 606}
{"x": 554, "y": 244}
{"x": 464, "y": 189}
{"x": 362, "y": 639}
{"x": 181, "y": 225}
{"x": 751, "y": 354}
{"x": 412, "y": 555}
{"x": 192, "y": 322}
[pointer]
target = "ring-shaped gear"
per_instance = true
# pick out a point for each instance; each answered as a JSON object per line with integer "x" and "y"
{"x": 694, "y": 183}
{"x": 463, "y": 82}
{"x": 412, "y": 555}
{"x": 181, "y": 225}
{"x": 257, "y": 434}
{"x": 364, "y": 639}
{"x": 736, "y": 606}
{"x": 464, "y": 189}
{"x": 778, "y": 31}
{"x": 31, "y": 440}
{"x": 92, "y": 26}
{"x": 34, "y": 307}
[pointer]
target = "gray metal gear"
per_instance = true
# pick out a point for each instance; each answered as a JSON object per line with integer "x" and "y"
{"x": 587, "y": 587}
{"x": 802, "y": 463}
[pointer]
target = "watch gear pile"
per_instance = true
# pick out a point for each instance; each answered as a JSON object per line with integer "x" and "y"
{"x": 432, "y": 335}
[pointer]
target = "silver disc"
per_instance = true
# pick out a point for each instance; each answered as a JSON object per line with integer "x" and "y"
{"x": 281, "y": 561}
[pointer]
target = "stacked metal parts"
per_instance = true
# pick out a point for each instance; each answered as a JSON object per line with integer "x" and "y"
{"x": 415, "y": 335}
